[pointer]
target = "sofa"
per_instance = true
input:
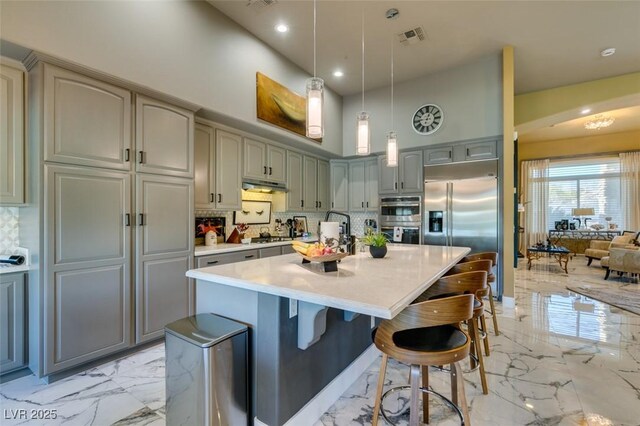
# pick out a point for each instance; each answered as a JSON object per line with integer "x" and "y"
{"x": 623, "y": 261}
{"x": 599, "y": 249}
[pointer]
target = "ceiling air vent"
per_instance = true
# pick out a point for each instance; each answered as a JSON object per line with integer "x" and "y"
{"x": 259, "y": 4}
{"x": 411, "y": 36}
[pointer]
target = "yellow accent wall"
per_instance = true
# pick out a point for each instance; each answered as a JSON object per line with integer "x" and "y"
{"x": 590, "y": 145}
{"x": 508, "y": 273}
{"x": 536, "y": 105}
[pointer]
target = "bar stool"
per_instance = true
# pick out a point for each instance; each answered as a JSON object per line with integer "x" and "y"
{"x": 423, "y": 334}
{"x": 493, "y": 256}
{"x": 474, "y": 282}
{"x": 477, "y": 265}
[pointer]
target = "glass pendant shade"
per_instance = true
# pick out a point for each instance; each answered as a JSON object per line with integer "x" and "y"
{"x": 315, "y": 99}
{"x": 392, "y": 150}
{"x": 362, "y": 145}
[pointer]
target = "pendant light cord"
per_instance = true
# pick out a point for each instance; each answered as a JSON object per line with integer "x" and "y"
{"x": 392, "y": 84}
{"x": 314, "y": 38}
{"x": 363, "y": 59}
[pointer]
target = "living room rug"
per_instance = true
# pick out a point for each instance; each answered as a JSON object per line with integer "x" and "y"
{"x": 625, "y": 297}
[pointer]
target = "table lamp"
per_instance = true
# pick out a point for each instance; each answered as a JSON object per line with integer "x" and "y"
{"x": 579, "y": 212}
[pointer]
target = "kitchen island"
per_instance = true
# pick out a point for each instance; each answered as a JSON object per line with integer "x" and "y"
{"x": 299, "y": 344}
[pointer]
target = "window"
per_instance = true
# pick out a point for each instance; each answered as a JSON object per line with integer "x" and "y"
{"x": 585, "y": 183}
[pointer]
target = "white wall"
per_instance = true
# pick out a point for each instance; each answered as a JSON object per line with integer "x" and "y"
{"x": 470, "y": 97}
{"x": 186, "y": 49}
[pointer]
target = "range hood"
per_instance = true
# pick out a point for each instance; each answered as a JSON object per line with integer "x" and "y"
{"x": 264, "y": 186}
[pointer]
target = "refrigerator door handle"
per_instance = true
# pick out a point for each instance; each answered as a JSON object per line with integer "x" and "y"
{"x": 450, "y": 199}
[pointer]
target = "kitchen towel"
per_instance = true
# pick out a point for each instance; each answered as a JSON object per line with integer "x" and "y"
{"x": 397, "y": 234}
{"x": 329, "y": 230}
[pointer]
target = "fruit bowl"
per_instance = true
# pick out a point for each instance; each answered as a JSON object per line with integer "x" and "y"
{"x": 325, "y": 257}
{"x": 312, "y": 253}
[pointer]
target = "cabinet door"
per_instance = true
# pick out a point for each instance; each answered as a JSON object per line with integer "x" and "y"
{"x": 480, "y": 150}
{"x": 371, "y": 185}
{"x": 164, "y": 138}
{"x": 228, "y": 171}
{"x": 324, "y": 184}
{"x": 440, "y": 155}
{"x": 255, "y": 159}
{"x": 87, "y": 291}
{"x": 340, "y": 186}
{"x": 310, "y": 184}
{"x": 204, "y": 176}
{"x": 356, "y": 186}
{"x": 277, "y": 164}
{"x": 86, "y": 121}
{"x": 163, "y": 247}
{"x": 226, "y": 258}
{"x": 294, "y": 182}
{"x": 270, "y": 252}
{"x": 288, "y": 250}
{"x": 12, "y": 313}
{"x": 11, "y": 135}
{"x": 411, "y": 172}
{"x": 387, "y": 177}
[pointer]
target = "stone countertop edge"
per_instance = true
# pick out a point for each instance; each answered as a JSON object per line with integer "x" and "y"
{"x": 14, "y": 269}
{"x": 230, "y": 248}
{"x": 376, "y": 310}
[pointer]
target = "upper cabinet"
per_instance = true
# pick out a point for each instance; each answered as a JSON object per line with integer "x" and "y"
{"x": 164, "y": 138}
{"x": 363, "y": 185}
{"x": 307, "y": 182}
{"x": 11, "y": 135}
{"x": 294, "y": 181}
{"x": 86, "y": 121}
{"x": 204, "y": 172}
{"x": 324, "y": 189}
{"x": 461, "y": 151}
{"x": 404, "y": 179}
{"x": 264, "y": 161}
{"x": 310, "y": 184}
{"x": 340, "y": 186}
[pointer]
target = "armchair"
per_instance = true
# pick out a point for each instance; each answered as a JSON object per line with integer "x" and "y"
{"x": 599, "y": 249}
{"x": 622, "y": 260}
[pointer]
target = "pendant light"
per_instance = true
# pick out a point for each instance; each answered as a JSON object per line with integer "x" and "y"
{"x": 392, "y": 140}
{"x": 363, "y": 146}
{"x": 315, "y": 94}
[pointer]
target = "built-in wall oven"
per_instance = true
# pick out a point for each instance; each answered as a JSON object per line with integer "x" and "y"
{"x": 401, "y": 219}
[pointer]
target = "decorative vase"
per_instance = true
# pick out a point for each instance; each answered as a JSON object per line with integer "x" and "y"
{"x": 378, "y": 252}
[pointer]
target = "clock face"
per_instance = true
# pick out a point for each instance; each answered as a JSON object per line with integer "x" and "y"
{"x": 427, "y": 119}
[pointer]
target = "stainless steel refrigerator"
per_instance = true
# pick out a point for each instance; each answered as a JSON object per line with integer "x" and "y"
{"x": 461, "y": 205}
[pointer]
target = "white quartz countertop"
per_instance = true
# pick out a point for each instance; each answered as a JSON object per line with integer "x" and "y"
{"x": 362, "y": 284}
{"x": 228, "y": 248}
{"x": 13, "y": 269}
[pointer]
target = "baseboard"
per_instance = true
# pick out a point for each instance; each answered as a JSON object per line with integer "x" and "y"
{"x": 508, "y": 302}
{"x": 317, "y": 406}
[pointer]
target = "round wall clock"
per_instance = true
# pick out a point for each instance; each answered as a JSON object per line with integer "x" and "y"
{"x": 427, "y": 119}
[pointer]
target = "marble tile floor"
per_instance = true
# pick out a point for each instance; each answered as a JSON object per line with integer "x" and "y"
{"x": 562, "y": 359}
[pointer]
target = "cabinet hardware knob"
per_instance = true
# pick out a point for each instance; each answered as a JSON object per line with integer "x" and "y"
{"x": 332, "y": 204}
{"x": 249, "y": 256}
{"x": 320, "y": 204}
{"x": 219, "y": 198}
{"x": 367, "y": 204}
{"x": 140, "y": 219}
{"x": 212, "y": 197}
{"x": 126, "y": 154}
{"x": 301, "y": 203}
{"x": 402, "y": 185}
{"x": 363, "y": 204}
{"x": 270, "y": 171}
{"x": 141, "y": 157}
{"x": 395, "y": 185}
{"x": 213, "y": 262}
{"x": 127, "y": 219}
{"x": 265, "y": 170}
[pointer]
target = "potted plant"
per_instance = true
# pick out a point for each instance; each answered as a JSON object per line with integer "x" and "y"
{"x": 377, "y": 243}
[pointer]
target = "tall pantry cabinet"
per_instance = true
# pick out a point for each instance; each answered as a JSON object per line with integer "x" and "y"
{"x": 111, "y": 216}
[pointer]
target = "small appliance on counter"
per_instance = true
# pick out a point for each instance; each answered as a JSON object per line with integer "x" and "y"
{"x": 206, "y": 224}
{"x": 344, "y": 229}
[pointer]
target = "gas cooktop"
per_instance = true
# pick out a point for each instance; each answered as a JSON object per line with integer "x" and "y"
{"x": 273, "y": 239}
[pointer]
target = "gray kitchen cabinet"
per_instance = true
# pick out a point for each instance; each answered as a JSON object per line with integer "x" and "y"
{"x": 264, "y": 161}
{"x": 87, "y": 285}
{"x": 12, "y": 322}
{"x": 87, "y": 122}
{"x": 440, "y": 155}
{"x": 204, "y": 171}
{"x": 12, "y": 142}
{"x": 226, "y": 258}
{"x": 164, "y": 242}
{"x": 340, "y": 186}
{"x": 410, "y": 172}
{"x": 323, "y": 185}
{"x": 363, "y": 185}
{"x": 294, "y": 182}
{"x": 164, "y": 138}
{"x": 310, "y": 184}
{"x": 387, "y": 177}
{"x": 406, "y": 178}
{"x": 287, "y": 249}
{"x": 228, "y": 171}
{"x": 270, "y": 252}
{"x": 480, "y": 150}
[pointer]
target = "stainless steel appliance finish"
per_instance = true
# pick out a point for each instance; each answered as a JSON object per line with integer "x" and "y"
{"x": 401, "y": 219}
{"x": 206, "y": 371}
{"x": 461, "y": 206}
{"x": 264, "y": 186}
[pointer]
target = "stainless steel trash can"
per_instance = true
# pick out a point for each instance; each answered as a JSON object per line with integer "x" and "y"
{"x": 206, "y": 371}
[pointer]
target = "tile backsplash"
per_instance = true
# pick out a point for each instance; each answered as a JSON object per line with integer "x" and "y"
{"x": 9, "y": 235}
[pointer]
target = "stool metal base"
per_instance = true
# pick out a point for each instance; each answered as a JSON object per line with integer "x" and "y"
{"x": 430, "y": 391}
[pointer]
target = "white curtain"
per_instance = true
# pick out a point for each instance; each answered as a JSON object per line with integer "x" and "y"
{"x": 535, "y": 190}
{"x": 630, "y": 189}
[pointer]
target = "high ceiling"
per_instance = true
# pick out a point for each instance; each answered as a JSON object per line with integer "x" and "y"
{"x": 556, "y": 42}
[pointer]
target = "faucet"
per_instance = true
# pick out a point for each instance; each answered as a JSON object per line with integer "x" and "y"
{"x": 347, "y": 228}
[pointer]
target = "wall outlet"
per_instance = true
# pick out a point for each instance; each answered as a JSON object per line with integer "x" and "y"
{"x": 293, "y": 308}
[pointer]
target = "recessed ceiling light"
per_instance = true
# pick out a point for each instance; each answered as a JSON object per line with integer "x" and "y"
{"x": 585, "y": 111}
{"x": 282, "y": 28}
{"x": 608, "y": 52}
{"x": 338, "y": 73}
